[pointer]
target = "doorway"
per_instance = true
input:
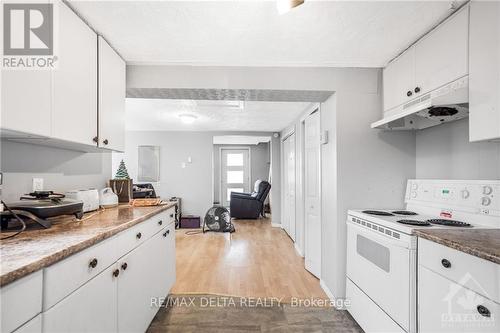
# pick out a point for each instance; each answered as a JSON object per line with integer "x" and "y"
{"x": 235, "y": 172}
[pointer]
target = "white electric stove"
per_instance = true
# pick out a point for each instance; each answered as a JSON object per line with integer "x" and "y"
{"x": 382, "y": 248}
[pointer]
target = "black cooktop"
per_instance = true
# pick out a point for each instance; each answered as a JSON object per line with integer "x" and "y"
{"x": 449, "y": 223}
{"x": 404, "y": 212}
{"x": 377, "y": 212}
{"x": 414, "y": 222}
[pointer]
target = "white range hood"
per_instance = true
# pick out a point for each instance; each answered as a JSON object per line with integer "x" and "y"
{"x": 445, "y": 104}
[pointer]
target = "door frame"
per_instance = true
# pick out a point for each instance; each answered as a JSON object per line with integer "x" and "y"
{"x": 220, "y": 166}
{"x": 286, "y": 225}
{"x": 315, "y": 108}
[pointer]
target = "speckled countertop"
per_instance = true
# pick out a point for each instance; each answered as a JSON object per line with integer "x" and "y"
{"x": 35, "y": 249}
{"x": 482, "y": 243}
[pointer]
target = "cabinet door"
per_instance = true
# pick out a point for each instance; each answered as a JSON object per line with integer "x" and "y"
{"x": 32, "y": 326}
{"x": 91, "y": 308}
{"x": 74, "y": 116}
{"x": 484, "y": 66}
{"x": 27, "y": 101}
{"x": 164, "y": 248}
{"x": 134, "y": 289}
{"x": 445, "y": 306}
{"x": 399, "y": 79}
{"x": 111, "y": 98}
{"x": 442, "y": 55}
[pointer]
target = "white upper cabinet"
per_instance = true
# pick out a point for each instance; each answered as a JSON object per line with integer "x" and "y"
{"x": 484, "y": 66}
{"x": 111, "y": 98}
{"x": 399, "y": 80}
{"x": 74, "y": 113}
{"x": 438, "y": 58}
{"x": 27, "y": 101}
{"x": 441, "y": 56}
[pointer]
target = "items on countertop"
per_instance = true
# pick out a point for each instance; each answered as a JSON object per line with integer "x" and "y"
{"x": 143, "y": 191}
{"x": 39, "y": 248}
{"x": 123, "y": 189}
{"x": 107, "y": 198}
{"x": 90, "y": 198}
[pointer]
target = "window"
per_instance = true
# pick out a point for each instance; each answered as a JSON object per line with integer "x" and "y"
{"x": 235, "y": 159}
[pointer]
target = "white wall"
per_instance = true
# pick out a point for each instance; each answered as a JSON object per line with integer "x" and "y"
{"x": 444, "y": 152}
{"x": 61, "y": 169}
{"x": 260, "y": 161}
{"x": 194, "y": 182}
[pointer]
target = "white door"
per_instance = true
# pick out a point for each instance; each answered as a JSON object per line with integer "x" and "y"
{"x": 74, "y": 113}
{"x": 312, "y": 195}
{"x": 289, "y": 185}
{"x": 111, "y": 98}
{"x": 235, "y": 172}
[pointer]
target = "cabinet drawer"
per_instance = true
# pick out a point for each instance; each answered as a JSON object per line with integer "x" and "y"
{"x": 477, "y": 274}
{"x": 445, "y": 306}
{"x": 138, "y": 234}
{"x": 20, "y": 301}
{"x": 66, "y": 276}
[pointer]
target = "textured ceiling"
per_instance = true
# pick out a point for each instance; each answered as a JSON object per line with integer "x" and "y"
{"x": 231, "y": 94}
{"x": 252, "y": 33}
{"x": 163, "y": 115}
{"x": 240, "y": 140}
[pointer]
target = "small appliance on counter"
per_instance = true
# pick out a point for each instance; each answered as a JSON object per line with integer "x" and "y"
{"x": 89, "y": 197}
{"x": 107, "y": 198}
{"x": 38, "y": 207}
{"x": 140, "y": 191}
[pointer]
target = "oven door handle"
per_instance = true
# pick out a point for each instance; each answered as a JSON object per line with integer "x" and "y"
{"x": 375, "y": 235}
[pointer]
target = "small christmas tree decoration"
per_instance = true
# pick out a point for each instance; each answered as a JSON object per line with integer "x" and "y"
{"x": 122, "y": 172}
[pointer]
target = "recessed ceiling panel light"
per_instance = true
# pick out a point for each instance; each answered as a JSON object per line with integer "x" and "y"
{"x": 188, "y": 118}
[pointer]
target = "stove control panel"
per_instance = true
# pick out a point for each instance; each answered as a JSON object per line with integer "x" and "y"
{"x": 470, "y": 196}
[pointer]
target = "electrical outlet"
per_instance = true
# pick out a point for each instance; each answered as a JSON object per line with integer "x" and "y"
{"x": 37, "y": 184}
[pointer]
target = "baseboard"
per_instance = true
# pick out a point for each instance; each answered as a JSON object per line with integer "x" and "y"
{"x": 276, "y": 225}
{"x": 329, "y": 293}
{"x": 299, "y": 251}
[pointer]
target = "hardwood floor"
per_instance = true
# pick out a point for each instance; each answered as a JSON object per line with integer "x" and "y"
{"x": 255, "y": 261}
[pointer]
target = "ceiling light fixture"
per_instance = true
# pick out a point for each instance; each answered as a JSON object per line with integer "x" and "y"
{"x": 286, "y": 5}
{"x": 188, "y": 118}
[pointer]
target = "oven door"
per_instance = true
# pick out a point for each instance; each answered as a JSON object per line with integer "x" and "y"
{"x": 380, "y": 266}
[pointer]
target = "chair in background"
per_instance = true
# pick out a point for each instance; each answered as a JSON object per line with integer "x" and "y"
{"x": 250, "y": 205}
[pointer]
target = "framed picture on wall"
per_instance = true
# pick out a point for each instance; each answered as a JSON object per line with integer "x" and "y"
{"x": 149, "y": 164}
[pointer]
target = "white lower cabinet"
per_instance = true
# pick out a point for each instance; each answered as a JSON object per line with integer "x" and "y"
{"x": 32, "y": 326}
{"x": 91, "y": 308}
{"x": 445, "y": 306}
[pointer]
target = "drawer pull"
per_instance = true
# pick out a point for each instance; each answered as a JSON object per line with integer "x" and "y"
{"x": 93, "y": 263}
{"x": 446, "y": 263}
{"x": 483, "y": 311}
{"x": 172, "y": 215}
{"x": 139, "y": 235}
{"x": 160, "y": 222}
{"x": 166, "y": 233}
{"x": 116, "y": 272}
{"x": 124, "y": 266}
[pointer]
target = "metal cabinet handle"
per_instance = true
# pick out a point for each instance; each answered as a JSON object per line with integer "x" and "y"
{"x": 95, "y": 139}
{"x": 116, "y": 272}
{"x": 105, "y": 141}
{"x": 171, "y": 215}
{"x": 166, "y": 233}
{"x": 124, "y": 266}
{"x": 139, "y": 235}
{"x": 417, "y": 90}
{"x": 446, "y": 263}
{"x": 160, "y": 222}
{"x": 483, "y": 311}
{"x": 409, "y": 93}
{"x": 93, "y": 263}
